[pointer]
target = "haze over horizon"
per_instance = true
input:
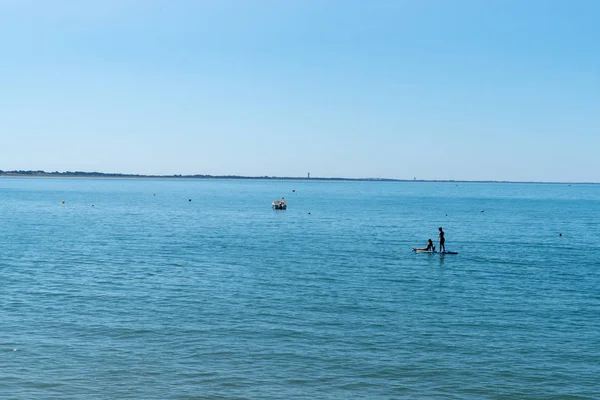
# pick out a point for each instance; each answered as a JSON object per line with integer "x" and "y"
{"x": 464, "y": 90}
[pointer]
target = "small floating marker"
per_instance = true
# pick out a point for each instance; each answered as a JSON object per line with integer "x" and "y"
{"x": 92, "y": 205}
{"x": 482, "y": 211}
{"x": 189, "y": 199}
{"x": 63, "y": 202}
{"x": 155, "y": 194}
{"x": 446, "y": 215}
{"x": 14, "y": 349}
{"x": 560, "y": 234}
{"x": 309, "y": 213}
{"x": 293, "y": 190}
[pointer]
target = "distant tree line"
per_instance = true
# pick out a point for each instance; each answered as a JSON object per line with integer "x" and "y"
{"x": 202, "y": 176}
{"x": 196, "y": 176}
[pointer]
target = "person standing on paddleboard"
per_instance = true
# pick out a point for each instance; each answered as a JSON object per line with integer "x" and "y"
{"x": 442, "y": 240}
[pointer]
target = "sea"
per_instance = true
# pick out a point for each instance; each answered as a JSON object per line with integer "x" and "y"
{"x": 198, "y": 289}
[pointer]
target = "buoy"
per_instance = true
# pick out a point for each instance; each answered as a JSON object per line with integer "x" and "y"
{"x": 560, "y": 234}
{"x": 92, "y": 205}
{"x": 308, "y": 213}
{"x": 481, "y": 210}
{"x": 155, "y": 194}
{"x": 63, "y": 202}
{"x": 190, "y": 200}
{"x": 293, "y": 190}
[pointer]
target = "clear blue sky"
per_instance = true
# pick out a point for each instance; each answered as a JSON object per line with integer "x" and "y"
{"x": 495, "y": 89}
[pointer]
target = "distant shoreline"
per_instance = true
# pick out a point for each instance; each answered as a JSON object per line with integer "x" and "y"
{"x": 80, "y": 174}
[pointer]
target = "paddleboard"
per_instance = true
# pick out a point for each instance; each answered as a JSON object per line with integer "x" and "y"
{"x": 435, "y": 252}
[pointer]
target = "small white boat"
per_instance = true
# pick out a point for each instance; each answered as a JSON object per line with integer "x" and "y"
{"x": 279, "y": 205}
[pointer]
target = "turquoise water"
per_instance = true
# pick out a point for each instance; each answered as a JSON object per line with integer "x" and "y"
{"x": 145, "y": 296}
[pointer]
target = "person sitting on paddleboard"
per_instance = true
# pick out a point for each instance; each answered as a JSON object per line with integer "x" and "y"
{"x": 430, "y": 247}
{"x": 442, "y": 240}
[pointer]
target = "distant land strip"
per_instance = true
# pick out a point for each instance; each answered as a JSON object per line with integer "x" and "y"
{"x": 81, "y": 174}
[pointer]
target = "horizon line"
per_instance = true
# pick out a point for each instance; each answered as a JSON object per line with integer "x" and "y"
{"x": 95, "y": 174}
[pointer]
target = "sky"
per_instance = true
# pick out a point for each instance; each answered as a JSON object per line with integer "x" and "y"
{"x": 428, "y": 89}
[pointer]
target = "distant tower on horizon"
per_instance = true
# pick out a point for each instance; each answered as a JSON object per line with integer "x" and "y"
{"x": 309, "y": 175}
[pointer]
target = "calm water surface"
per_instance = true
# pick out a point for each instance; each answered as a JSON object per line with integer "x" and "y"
{"x": 129, "y": 290}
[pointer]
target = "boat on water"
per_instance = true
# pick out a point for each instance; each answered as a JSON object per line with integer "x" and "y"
{"x": 279, "y": 204}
